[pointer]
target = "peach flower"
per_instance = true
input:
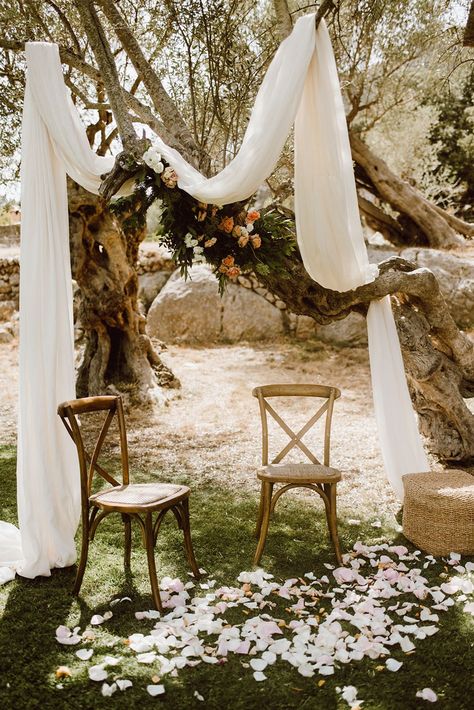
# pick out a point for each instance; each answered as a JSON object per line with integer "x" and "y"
{"x": 243, "y": 240}
{"x": 228, "y": 261}
{"x": 253, "y": 215}
{"x": 233, "y": 272}
{"x": 226, "y": 224}
{"x": 256, "y": 241}
{"x": 210, "y": 242}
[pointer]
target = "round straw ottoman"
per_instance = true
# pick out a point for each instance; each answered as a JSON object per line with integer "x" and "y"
{"x": 438, "y": 511}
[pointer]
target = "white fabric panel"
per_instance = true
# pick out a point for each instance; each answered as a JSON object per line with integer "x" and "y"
{"x": 53, "y": 141}
{"x": 301, "y": 82}
{"x": 400, "y": 441}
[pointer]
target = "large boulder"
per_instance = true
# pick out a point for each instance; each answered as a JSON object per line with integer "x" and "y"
{"x": 455, "y": 274}
{"x": 192, "y": 311}
{"x": 150, "y": 284}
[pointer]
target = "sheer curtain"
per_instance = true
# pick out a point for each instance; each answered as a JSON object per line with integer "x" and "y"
{"x": 301, "y": 87}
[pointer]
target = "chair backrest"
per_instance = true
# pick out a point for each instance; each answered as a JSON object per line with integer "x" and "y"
{"x": 88, "y": 462}
{"x": 328, "y": 394}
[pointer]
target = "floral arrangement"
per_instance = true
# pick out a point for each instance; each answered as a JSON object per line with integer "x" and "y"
{"x": 235, "y": 239}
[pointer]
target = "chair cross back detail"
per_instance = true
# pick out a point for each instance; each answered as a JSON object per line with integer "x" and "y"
{"x": 69, "y": 412}
{"x": 321, "y": 391}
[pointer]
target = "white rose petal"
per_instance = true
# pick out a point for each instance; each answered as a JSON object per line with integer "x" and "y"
{"x": 84, "y": 653}
{"x": 259, "y": 676}
{"x": 124, "y": 684}
{"x": 97, "y": 673}
{"x": 258, "y": 664}
{"x": 393, "y": 665}
{"x": 108, "y": 690}
{"x": 146, "y": 657}
{"x": 427, "y": 694}
{"x": 155, "y": 690}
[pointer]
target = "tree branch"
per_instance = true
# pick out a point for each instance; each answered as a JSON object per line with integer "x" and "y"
{"x": 109, "y": 76}
{"x": 160, "y": 98}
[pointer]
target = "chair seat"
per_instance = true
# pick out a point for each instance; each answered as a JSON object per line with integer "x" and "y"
{"x": 140, "y": 495}
{"x": 298, "y": 473}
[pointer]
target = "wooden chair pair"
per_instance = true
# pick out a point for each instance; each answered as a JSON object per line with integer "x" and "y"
{"x": 137, "y": 502}
{"x": 318, "y": 477}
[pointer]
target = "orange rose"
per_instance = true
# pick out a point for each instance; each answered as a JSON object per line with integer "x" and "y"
{"x": 228, "y": 261}
{"x": 253, "y": 215}
{"x": 256, "y": 241}
{"x": 226, "y": 224}
{"x": 243, "y": 240}
{"x": 210, "y": 242}
{"x": 233, "y": 272}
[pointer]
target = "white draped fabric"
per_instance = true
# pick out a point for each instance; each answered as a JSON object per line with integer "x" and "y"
{"x": 301, "y": 83}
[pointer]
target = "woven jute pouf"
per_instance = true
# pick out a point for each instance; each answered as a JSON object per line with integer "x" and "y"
{"x": 438, "y": 511}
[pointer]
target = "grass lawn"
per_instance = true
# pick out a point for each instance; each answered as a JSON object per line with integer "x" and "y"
{"x": 222, "y": 521}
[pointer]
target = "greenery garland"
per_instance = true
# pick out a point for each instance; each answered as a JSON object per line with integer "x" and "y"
{"x": 234, "y": 239}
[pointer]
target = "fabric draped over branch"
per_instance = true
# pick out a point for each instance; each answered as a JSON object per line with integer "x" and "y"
{"x": 301, "y": 87}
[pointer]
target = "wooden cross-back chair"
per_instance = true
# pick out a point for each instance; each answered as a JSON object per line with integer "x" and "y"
{"x": 318, "y": 477}
{"x": 133, "y": 501}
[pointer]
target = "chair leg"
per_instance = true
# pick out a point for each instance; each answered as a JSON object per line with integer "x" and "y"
{"x": 260, "y": 512}
{"x": 332, "y": 521}
{"x": 82, "y": 560}
{"x": 188, "y": 544}
{"x": 128, "y": 540}
{"x": 150, "y": 553}
{"x": 267, "y": 489}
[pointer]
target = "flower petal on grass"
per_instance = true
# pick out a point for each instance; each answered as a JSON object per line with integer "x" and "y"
{"x": 108, "y": 690}
{"x": 393, "y": 665}
{"x": 123, "y": 684}
{"x": 258, "y": 664}
{"x": 155, "y": 690}
{"x": 84, "y": 653}
{"x": 97, "y": 673}
{"x": 427, "y": 694}
{"x": 259, "y": 676}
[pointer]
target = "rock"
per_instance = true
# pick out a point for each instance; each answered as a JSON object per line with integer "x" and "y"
{"x": 455, "y": 274}
{"x": 305, "y": 327}
{"x": 192, "y": 311}
{"x": 6, "y": 335}
{"x": 248, "y": 316}
{"x": 351, "y": 331}
{"x": 149, "y": 286}
{"x": 7, "y": 310}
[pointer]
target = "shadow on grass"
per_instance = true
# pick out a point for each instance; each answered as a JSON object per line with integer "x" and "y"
{"x": 223, "y": 523}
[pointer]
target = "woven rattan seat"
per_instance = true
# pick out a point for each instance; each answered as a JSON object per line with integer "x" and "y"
{"x": 438, "y": 511}
{"x": 139, "y": 494}
{"x": 318, "y": 475}
{"x": 300, "y": 472}
{"x": 133, "y": 501}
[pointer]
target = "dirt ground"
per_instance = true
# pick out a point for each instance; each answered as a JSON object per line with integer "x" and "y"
{"x": 210, "y": 428}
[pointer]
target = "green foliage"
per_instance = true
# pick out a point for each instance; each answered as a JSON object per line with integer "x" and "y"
{"x": 453, "y": 137}
{"x": 224, "y": 237}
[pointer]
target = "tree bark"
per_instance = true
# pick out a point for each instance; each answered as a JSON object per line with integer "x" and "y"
{"x": 438, "y": 357}
{"x": 404, "y": 198}
{"x": 118, "y": 355}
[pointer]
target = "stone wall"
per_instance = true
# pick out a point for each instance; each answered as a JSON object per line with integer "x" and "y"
{"x": 10, "y": 235}
{"x": 9, "y": 286}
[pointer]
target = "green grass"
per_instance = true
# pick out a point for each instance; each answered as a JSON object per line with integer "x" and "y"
{"x": 222, "y": 526}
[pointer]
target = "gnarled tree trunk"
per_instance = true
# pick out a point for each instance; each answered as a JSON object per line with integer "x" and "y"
{"x": 438, "y": 357}
{"x": 118, "y": 355}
